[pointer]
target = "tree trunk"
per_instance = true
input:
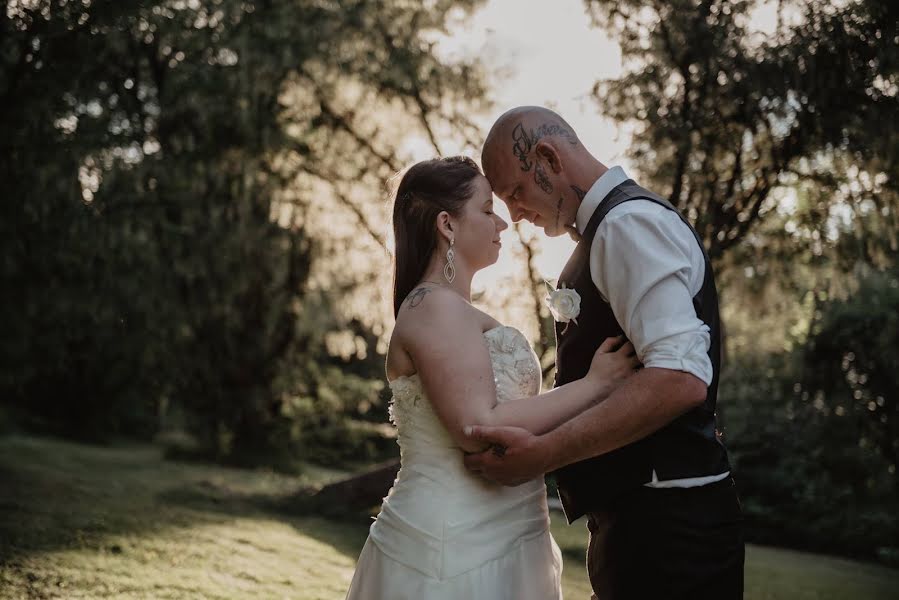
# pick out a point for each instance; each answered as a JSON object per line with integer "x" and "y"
{"x": 359, "y": 492}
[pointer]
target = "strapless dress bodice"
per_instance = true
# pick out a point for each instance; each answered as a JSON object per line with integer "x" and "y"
{"x": 438, "y": 517}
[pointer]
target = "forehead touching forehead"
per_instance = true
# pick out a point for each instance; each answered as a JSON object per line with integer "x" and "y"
{"x": 497, "y": 152}
{"x": 501, "y": 175}
{"x": 511, "y": 141}
{"x": 502, "y": 169}
{"x": 481, "y": 190}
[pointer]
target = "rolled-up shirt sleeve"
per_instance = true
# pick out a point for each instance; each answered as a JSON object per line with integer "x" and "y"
{"x": 647, "y": 264}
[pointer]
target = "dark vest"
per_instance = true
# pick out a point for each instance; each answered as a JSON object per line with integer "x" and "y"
{"x": 688, "y": 446}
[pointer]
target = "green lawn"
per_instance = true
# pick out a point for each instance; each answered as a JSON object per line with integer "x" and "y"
{"x": 85, "y": 522}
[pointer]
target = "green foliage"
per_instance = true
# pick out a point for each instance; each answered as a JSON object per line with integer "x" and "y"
{"x": 851, "y": 358}
{"x": 813, "y": 433}
{"x": 342, "y": 417}
{"x": 726, "y": 116}
{"x": 171, "y": 170}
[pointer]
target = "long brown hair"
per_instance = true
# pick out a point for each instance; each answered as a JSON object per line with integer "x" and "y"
{"x": 426, "y": 189}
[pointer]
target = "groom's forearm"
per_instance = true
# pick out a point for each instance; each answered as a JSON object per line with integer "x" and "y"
{"x": 644, "y": 404}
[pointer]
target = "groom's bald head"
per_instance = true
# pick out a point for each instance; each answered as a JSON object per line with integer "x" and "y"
{"x": 536, "y": 165}
{"x": 511, "y": 140}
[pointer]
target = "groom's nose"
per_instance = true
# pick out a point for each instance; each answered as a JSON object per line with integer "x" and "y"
{"x": 516, "y": 214}
{"x": 528, "y": 215}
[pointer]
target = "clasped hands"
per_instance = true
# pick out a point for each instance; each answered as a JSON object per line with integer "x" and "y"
{"x": 515, "y": 455}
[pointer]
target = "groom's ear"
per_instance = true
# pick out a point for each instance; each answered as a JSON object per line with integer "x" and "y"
{"x": 546, "y": 152}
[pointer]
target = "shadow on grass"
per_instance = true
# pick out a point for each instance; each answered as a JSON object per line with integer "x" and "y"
{"x": 344, "y": 531}
{"x": 58, "y": 495}
{"x": 46, "y": 503}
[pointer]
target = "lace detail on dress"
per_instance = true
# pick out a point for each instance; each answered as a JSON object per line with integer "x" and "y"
{"x": 407, "y": 395}
{"x": 516, "y": 373}
{"x": 516, "y": 369}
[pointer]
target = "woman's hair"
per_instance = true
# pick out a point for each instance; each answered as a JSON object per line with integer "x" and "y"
{"x": 426, "y": 189}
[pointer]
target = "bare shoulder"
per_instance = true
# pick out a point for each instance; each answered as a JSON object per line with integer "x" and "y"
{"x": 425, "y": 298}
{"x": 413, "y": 323}
{"x": 430, "y": 307}
{"x": 437, "y": 315}
{"x": 443, "y": 337}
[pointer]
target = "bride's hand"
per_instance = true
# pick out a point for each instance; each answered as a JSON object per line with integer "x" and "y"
{"x": 611, "y": 366}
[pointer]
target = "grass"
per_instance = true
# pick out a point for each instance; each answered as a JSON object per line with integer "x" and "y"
{"x": 86, "y": 522}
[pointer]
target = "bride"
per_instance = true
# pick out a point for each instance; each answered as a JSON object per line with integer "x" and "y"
{"x": 442, "y": 532}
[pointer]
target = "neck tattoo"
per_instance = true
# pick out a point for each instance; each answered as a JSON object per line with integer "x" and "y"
{"x": 559, "y": 212}
{"x": 579, "y": 192}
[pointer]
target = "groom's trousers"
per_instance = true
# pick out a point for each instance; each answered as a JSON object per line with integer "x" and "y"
{"x": 668, "y": 543}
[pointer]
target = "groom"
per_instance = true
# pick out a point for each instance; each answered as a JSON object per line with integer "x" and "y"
{"x": 646, "y": 465}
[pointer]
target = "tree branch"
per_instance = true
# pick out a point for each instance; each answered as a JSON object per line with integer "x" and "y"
{"x": 349, "y": 204}
{"x": 535, "y": 280}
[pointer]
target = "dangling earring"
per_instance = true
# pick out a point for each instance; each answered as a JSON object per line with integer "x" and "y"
{"x": 449, "y": 269}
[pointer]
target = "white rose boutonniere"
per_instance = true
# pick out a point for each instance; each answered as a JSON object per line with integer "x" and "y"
{"x": 564, "y": 304}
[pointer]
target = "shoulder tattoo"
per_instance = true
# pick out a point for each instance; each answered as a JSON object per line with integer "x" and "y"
{"x": 417, "y": 296}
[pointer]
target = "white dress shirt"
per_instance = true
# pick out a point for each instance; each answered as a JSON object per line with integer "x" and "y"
{"x": 646, "y": 264}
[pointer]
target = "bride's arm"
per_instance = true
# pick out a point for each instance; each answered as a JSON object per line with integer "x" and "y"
{"x": 453, "y": 363}
{"x": 544, "y": 412}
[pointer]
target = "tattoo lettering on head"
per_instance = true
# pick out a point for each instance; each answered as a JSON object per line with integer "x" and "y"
{"x": 417, "y": 296}
{"x": 547, "y": 130}
{"x": 580, "y": 193}
{"x": 542, "y": 180}
{"x": 521, "y": 146}
{"x": 523, "y": 141}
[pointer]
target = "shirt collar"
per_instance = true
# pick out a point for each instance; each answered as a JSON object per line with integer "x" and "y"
{"x": 597, "y": 193}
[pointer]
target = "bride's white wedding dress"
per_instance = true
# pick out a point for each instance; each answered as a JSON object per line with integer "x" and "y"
{"x": 444, "y": 533}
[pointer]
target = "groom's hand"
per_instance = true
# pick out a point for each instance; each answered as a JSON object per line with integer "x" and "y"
{"x": 514, "y": 456}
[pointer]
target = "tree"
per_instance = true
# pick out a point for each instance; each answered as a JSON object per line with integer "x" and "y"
{"x": 851, "y": 361}
{"x": 171, "y": 167}
{"x": 724, "y": 116}
{"x": 812, "y": 431}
